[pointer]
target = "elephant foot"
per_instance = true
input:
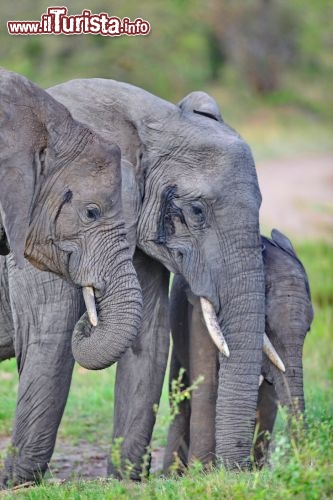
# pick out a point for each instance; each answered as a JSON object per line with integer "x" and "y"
{"x": 16, "y": 473}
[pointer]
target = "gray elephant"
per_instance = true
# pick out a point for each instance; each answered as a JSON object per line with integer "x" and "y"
{"x": 288, "y": 318}
{"x": 60, "y": 205}
{"x": 191, "y": 201}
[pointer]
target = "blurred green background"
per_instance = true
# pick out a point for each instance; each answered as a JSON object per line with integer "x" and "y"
{"x": 269, "y": 63}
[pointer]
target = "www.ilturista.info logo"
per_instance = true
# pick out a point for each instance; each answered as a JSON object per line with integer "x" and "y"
{"x": 56, "y": 22}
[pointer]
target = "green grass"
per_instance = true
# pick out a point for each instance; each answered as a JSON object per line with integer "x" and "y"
{"x": 298, "y": 471}
{"x": 88, "y": 413}
{"x": 302, "y": 471}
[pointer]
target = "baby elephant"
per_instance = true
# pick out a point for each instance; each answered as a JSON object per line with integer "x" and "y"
{"x": 289, "y": 315}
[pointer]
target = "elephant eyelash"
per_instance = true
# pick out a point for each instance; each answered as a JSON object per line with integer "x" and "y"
{"x": 68, "y": 196}
{"x": 166, "y": 227}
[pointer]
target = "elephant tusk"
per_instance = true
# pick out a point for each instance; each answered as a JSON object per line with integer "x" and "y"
{"x": 261, "y": 379}
{"x": 220, "y": 342}
{"x": 89, "y": 299}
{"x": 213, "y": 327}
{"x": 272, "y": 354}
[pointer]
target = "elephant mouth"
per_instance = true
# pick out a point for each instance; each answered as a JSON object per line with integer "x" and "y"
{"x": 217, "y": 336}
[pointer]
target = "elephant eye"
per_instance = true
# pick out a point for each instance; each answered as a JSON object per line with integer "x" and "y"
{"x": 197, "y": 214}
{"x": 93, "y": 213}
{"x": 196, "y": 210}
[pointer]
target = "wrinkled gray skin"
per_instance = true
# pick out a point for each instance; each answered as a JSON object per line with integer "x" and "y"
{"x": 191, "y": 201}
{"x": 288, "y": 318}
{"x": 60, "y": 205}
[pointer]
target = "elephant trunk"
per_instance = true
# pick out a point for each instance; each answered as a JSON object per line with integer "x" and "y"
{"x": 119, "y": 308}
{"x": 242, "y": 323}
{"x": 289, "y": 385}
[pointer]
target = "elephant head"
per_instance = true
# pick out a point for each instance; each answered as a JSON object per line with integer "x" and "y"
{"x": 289, "y": 315}
{"x": 60, "y": 206}
{"x": 196, "y": 205}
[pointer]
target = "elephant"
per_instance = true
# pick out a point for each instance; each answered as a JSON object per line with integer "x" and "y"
{"x": 289, "y": 314}
{"x": 61, "y": 207}
{"x": 191, "y": 201}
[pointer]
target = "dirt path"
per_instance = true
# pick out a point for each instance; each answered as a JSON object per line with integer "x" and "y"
{"x": 83, "y": 460}
{"x": 298, "y": 196}
{"x": 298, "y": 200}
{"x": 88, "y": 461}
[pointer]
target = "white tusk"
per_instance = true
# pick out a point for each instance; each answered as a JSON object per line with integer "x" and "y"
{"x": 272, "y": 354}
{"x": 261, "y": 379}
{"x": 213, "y": 327}
{"x": 89, "y": 299}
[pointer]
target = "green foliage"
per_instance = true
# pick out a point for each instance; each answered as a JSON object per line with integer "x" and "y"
{"x": 116, "y": 452}
{"x": 258, "y": 39}
{"x": 179, "y": 392}
{"x": 172, "y": 398}
{"x": 165, "y": 62}
{"x": 265, "y": 44}
{"x": 318, "y": 261}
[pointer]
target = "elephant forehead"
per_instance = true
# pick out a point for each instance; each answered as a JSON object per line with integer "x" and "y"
{"x": 214, "y": 175}
{"x": 101, "y": 183}
{"x": 213, "y": 155}
{"x": 96, "y": 168}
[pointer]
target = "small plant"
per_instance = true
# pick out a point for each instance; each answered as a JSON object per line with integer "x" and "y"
{"x": 180, "y": 392}
{"x": 177, "y": 467}
{"x": 146, "y": 461}
{"x": 128, "y": 469}
{"x": 116, "y": 454}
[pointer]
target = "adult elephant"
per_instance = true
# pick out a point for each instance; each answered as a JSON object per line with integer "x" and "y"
{"x": 192, "y": 202}
{"x": 289, "y": 315}
{"x": 60, "y": 206}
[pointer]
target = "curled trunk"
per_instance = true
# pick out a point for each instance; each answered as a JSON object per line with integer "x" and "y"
{"x": 119, "y": 308}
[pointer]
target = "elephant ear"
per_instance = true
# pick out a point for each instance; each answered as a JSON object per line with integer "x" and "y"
{"x": 16, "y": 192}
{"x": 201, "y": 104}
{"x": 21, "y": 133}
{"x": 283, "y": 242}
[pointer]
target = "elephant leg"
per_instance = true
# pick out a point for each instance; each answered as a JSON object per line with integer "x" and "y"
{"x": 45, "y": 310}
{"x": 6, "y": 321}
{"x": 176, "y": 452}
{"x": 204, "y": 363}
{"x": 265, "y": 419}
{"x": 140, "y": 372}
